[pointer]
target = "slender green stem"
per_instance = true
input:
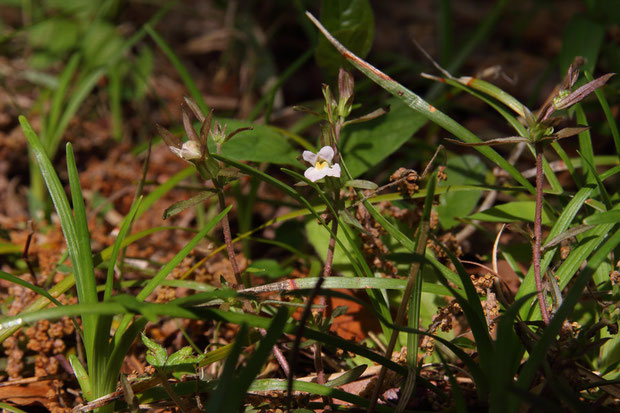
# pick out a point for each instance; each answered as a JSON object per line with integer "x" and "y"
{"x": 538, "y": 234}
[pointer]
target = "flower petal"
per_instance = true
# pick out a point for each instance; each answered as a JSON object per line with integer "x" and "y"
{"x": 326, "y": 153}
{"x": 314, "y": 174}
{"x": 334, "y": 171}
{"x": 190, "y": 151}
{"x": 309, "y": 157}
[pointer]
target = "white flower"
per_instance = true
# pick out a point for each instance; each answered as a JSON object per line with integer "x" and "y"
{"x": 189, "y": 151}
{"x": 321, "y": 164}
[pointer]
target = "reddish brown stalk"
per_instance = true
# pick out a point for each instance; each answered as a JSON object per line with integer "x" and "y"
{"x": 228, "y": 239}
{"x": 538, "y": 234}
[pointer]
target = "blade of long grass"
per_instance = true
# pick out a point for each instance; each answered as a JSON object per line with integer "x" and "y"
{"x": 76, "y": 233}
{"x": 421, "y": 106}
{"x": 96, "y": 328}
{"x": 120, "y": 351}
{"x": 10, "y": 408}
{"x": 180, "y": 68}
{"x": 35, "y": 288}
{"x": 350, "y": 283}
{"x": 38, "y": 304}
{"x": 116, "y": 247}
{"x": 413, "y": 295}
{"x": 601, "y": 188}
{"x": 59, "y": 94}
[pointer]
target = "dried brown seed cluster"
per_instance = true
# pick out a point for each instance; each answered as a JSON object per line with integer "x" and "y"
{"x": 372, "y": 245}
{"x": 448, "y": 241}
{"x": 482, "y": 283}
{"x": 407, "y": 181}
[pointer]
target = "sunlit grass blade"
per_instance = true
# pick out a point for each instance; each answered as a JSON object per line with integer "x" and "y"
{"x": 344, "y": 283}
{"x": 56, "y": 291}
{"x": 116, "y": 247}
{"x": 82, "y": 377}
{"x": 35, "y": 288}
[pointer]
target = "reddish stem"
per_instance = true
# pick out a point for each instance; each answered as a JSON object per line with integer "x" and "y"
{"x": 538, "y": 234}
{"x": 228, "y": 239}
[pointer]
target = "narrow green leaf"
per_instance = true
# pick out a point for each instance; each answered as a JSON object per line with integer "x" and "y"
{"x": 187, "y": 203}
{"x": 511, "y": 212}
{"x": 81, "y": 376}
{"x": 180, "y": 68}
{"x": 609, "y": 217}
{"x": 361, "y": 184}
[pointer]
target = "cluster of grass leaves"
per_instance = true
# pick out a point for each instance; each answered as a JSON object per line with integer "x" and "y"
{"x": 505, "y": 367}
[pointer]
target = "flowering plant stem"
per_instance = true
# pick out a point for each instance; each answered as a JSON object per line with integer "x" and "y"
{"x": 227, "y": 235}
{"x": 538, "y": 233}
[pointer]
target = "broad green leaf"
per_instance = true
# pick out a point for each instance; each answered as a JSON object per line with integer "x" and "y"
{"x": 582, "y": 37}
{"x": 511, "y": 212}
{"x": 461, "y": 170}
{"x": 350, "y": 21}
{"x": 261, "y": 144}
{"x": 366, "y": 144}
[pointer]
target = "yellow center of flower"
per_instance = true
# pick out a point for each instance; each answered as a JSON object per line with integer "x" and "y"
{"x": 320, "y": 165}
